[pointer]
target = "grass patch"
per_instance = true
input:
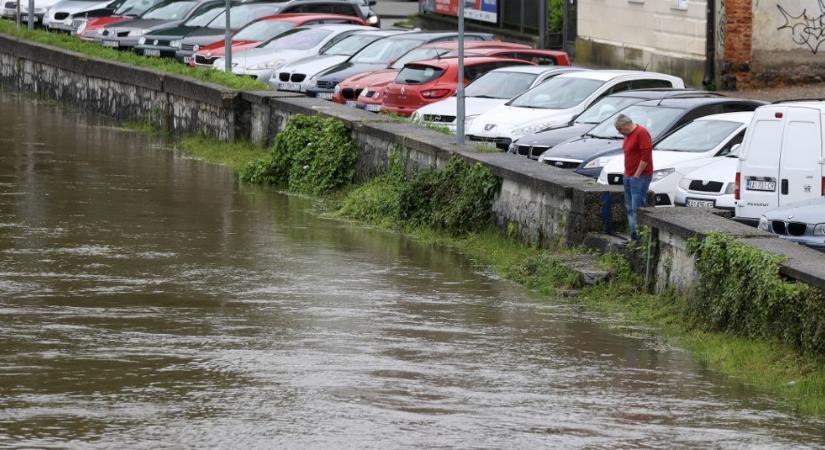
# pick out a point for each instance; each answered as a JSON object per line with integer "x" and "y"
{"x": 232, "y": 154}
{"x": 95, "y": 50}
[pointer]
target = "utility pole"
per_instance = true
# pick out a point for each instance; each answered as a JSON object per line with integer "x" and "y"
{"x": 18, "y": 14}
{"x": 543, "y": 23}
{"x": 459, "y": 129}
{"x": 564, "y": 24}
{"x": 227, "y": 41}
{"x": 30, "y": 15}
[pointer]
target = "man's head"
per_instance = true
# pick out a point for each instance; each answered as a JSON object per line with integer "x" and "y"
{"x": 624, "y": 125}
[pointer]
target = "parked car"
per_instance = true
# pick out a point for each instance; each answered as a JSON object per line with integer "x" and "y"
{"x": 125, "y": 35}
{"x": 254, "y": 34}
{"x": 588, "y": 154}
{"x": 92, "y": 23}
{"x": 533, "y": 145}
{"x": 782, "y": 158}
{"x": 377, "y": 56}
{"x": 60, "y": 16}
{"x": 802, "y": 222}
{"x": 164, "y": 42}
{"x": 295, "y": 77}
{"x": 555, "y": 103}
{"x": 40, "y": 7}
{"x": 357, "y": 8}
{"x": 423, "y": 82}
{"x": 262, "y": 62}
{"x": 493, "y": 89}
{"x": 711, "y": 185}
{"x": 349, "y": 90}
{"x": 683, "y": 150}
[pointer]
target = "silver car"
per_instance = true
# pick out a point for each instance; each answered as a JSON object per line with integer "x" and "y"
{"x": 61, "y": 15}
{"x": 802, "y": 222}
{"x": 163, "y": 15}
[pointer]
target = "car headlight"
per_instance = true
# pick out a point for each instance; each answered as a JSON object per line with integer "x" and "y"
{"x": 596, "y": 163}
{"x": 731, "y": 189}
{"x": 174, "y": 44}
{"x": 141, "y": 41}
{"x": 267, "y": 65}
{"x": 684, "y": 183}
{"x": 337, "y": 89}
{"x": 81, "y": 28}
{"x": 137, "y": 33}
{"x": 660, "y": 174}
{"x": 763, "y": 223}
{"x": 101, "y": 31}
{"x": 196, "y": 47}
{"x": 372, "y": 20}
{"x": 819, "y": 229}
{"x": 535, "y": 128}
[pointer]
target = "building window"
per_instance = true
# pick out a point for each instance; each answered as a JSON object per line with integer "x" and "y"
{"x": 680, "y": 4}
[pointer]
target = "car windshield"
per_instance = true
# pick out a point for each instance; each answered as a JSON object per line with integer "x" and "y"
{"x": 298, "y": 39}
{"x": 384, "y": 51}
{"x": 350, "y": 45}
{"x": 417, "y": 54}
{"x": 699, "y": 136}
{"x": 203, "y": 18}
{"x": 243, "y": 14}
{"x": 169, "y": 11}
{"x": 416, "y": 74}
{"x": 262, "y": 30}
{"x": 655, "y": 118}
{"x": 605, "y": 108}
{"x": 558, "y": 93}
{"x": 134, "y": 7}
{"x": 503, "y": 85}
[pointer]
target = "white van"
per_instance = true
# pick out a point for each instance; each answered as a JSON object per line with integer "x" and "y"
{"x": 782, "y": 158}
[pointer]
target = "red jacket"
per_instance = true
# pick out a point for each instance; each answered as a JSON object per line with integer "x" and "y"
{"x": 638, "y": 146}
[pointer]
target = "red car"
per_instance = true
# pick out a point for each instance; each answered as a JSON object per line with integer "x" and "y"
{"x": 348, "y": 91}
{"x": 128, "y": 10}
{"x": 423, "y": 82}
{"x": 264, "y": 29}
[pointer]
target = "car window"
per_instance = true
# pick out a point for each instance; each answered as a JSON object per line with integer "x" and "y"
{"x": 620, "y": 87}
{"x": 134, "y": 7}
{"x": 298, "y": 39}
{"x": 169, "y": 11}
{"x": 604, "y": 108}
{"x": 657, "y": 120}
{"x": 728, "y": 150}
{"x": 242, "y": 14}
{"x": 325, "y": 8}
{"x": 384, "y": 51}
{"x": 539, "y": 59}
{"x": 350, "y": 44}
{"x": 418, "y": 54}
{"x": 204, "y": 17}
{"x": 418, "y": 74}
{"x": 701, "y": 111}
{"x": 650, "y": 84}
{"x": 503, "y": 85}
{"x": 699, "y": 136}
{"x": 737, "y": 107}
{"x": 558, "y": 93}
{"x": 262, "y": 30}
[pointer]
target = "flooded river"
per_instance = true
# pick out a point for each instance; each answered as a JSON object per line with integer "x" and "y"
{"x": 148, "y": 301}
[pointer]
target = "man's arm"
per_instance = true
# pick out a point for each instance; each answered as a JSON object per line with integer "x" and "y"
{"x": 646, "y": 151}
{"x": 640, "y": 169}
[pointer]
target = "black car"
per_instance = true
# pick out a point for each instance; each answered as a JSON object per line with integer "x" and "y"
{"x": 533, "y": 145}
{"x": 377, "y": 55}
{"x": 587, "y": 153}
{"x": 210, "y": 25}
{"x": 191, "y": 43}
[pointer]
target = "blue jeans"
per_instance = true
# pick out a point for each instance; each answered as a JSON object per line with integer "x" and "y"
{"x": 635, "y": 191}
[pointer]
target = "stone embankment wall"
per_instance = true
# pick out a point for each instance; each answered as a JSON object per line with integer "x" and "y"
{"x": 542, "y": 205}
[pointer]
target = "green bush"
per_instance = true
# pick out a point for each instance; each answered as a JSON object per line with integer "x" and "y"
{"x": 312, "y": 155}
{"x": 741, "y": 291}
{"x": 555, "y": 15}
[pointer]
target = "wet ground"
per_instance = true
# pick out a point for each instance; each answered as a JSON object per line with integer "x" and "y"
{"x": 148, "y": 301}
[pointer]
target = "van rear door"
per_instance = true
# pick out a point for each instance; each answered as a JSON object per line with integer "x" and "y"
{"x": 759, "y": 163}
{"x": 800, "y": 171}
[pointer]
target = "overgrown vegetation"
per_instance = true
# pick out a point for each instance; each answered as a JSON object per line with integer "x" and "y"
{"x": 740, "y": 291}
{"x": 67, "y": 42}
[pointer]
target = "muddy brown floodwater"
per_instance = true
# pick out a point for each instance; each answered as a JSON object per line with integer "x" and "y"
{"x": 149, "y": 301}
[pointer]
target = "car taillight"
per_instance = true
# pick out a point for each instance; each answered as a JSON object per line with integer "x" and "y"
{"x": 823, "y": 187}
{"x": 435, "y": 93}
{"x": 738, "y": 183}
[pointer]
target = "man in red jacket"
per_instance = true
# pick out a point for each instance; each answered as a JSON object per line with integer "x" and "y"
{"x": 638, "y": 167}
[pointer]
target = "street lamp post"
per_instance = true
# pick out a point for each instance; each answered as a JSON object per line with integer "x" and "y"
{"x": 227, "y": 41}
{"x": 459, "y": 129}
{"x": 30, "y": 16}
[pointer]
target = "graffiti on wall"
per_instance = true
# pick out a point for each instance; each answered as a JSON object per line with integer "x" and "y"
{"x": 806, "y": 29}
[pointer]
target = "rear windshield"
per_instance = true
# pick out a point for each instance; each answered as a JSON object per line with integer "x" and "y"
{"x": 417, "y": 54}
{"x": 298, "y": 39}
{"x": 384, "y": 51}
{"x": 699, "y": 136}
{"x": 415, "y": 74}
{"x": 169, "y": 11}
{"x": 655, "y": 118}
{"x": 350, "y": 45}
{"x": 262, "y": 30}
{"x": 242, "y": 15}
{"x": 134, "y": 7}
{"x": 503, "y": 85}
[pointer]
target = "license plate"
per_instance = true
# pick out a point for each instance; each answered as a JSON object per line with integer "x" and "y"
{"x": 151, "y": 52}
{"x": 351, "y": 103}
{"x": 761, "y": 185}
{"x": 112, "y": 44}
{"x": 290, "y": 87}
{"x": 187, "y": 60}
{"x": 373, "y": 108}
{"x": 324, "y": 95}
{"x": 25, "y": 18}
{"x": 698, "y": 203}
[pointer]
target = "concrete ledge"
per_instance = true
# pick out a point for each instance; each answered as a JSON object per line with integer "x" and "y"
{"x": 802, "y": 264}
{"x": 211, "y": 94}
{"x": 690, "y": 222}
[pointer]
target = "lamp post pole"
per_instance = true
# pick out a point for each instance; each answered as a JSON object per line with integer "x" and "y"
{"x": 459, "y": 129}
{"x": 227, "y": 41}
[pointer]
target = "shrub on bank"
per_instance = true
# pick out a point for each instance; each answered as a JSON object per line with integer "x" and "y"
{"x": 741, "y": 291}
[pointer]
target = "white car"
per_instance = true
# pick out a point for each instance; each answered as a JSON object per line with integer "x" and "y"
{"x": 264, "y": 60}
{"x": 40, "y": 9}
{"x": 295, "y": 76}
{"x": 683, "y": 150}
{"x": 557, "y": 101}
{"x": 60, "y": 16}
{"x": 712, "y": 185}
{"x": 493, "y": 89}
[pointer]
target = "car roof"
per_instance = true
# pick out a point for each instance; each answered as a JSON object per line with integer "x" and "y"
{"x": 303, "y": 17}
{"x": 538, "y": 69}
{"x": 813, "y": 103}
{"x": 334, "y": 27}
{"x": 657, "y": 93}
{"x": 426, "y": 36}
{"x": 475, "y": 45}
{"x": 743, "y": 117}
{"x": 470, "y": 60}
{"x": 693, "y": 102}
{"x": 607, "y": 75}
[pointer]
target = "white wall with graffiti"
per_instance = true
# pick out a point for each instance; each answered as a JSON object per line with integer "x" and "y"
{"x": 788, "y": 44}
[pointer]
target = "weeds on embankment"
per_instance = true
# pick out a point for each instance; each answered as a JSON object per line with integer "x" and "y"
{"x": 95, "y": 50}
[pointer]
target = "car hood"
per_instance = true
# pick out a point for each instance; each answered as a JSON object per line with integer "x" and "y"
{"x": 217, "y": 48}
{"x": 383, "y": 76}
{"x": 584, "y": 148}
{"x": 252, "y": 56}
{"x": 664, "y": 159}
{"x": 312, "y": 65}
{"x": 473, "y": 106}
{"x": 503, "y": 120}
{"x": 808, "y": 211}
{"x": 175, "y": 32}
{"x": 555, "y": 136}
{"x": 718, "y": 168}
{"x": 345, "y": 70}
{"x": 72, "y": 7}
{"x": 205, "y": 36}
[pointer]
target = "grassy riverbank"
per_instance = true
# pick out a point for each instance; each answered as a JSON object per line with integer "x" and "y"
{"x": 394, "y": 202}
{"x": 95, "y": 50}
